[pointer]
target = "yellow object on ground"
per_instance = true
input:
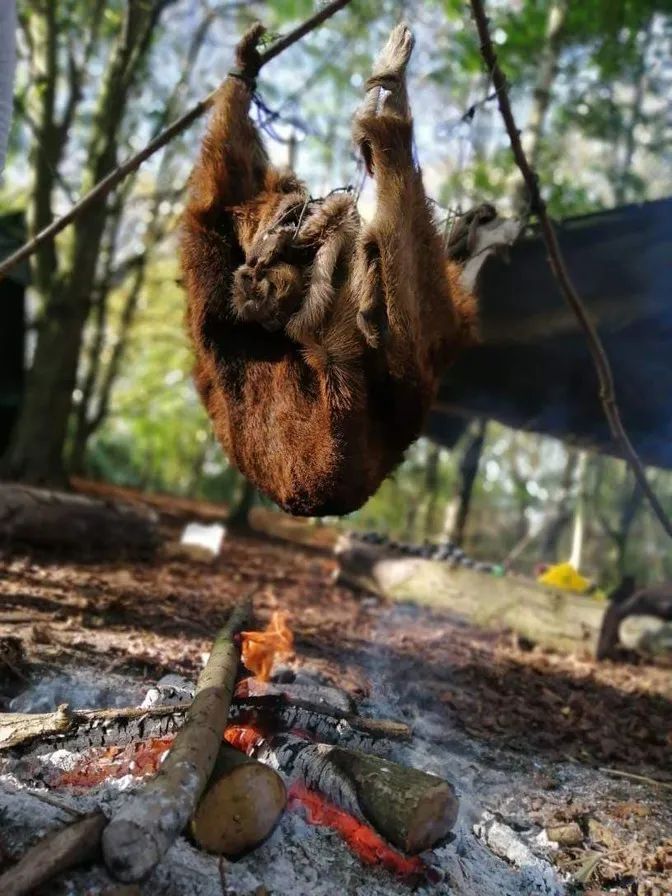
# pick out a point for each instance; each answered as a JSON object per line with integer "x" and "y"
{"x": 563, "y": 575}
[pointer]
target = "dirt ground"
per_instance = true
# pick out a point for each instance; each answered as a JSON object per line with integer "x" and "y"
{"x": 537, "y": 709}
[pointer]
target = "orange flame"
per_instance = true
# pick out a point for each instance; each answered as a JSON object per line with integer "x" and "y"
{"x": 259, "y": 649}
{"x": 363, "y": 840}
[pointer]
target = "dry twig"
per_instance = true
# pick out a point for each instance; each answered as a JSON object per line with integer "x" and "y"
{"x": 103, "y": 187}
{"x": 559, "y": 268}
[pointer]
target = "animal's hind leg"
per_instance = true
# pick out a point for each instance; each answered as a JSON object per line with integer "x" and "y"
{"x": 388, "y": 267}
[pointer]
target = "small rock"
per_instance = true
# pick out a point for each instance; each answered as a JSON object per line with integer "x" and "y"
{"x": 565, "y": 834}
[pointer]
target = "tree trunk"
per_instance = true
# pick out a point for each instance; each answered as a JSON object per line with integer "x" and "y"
{"x": 548, "y": 69}
{"x": 36, "y": 450}
{"x": 411, "y": 809}
{"x": 622, "y": 193}
{"x": 239, "y": 517}
{"x": 100, "y": 380}
{"x": 467, "y": 476}
{"x": 562, "y": 516}
{"x": 578, "y": 531}
{"x": 241, "y": 805}
{"x": 431, "y": 487}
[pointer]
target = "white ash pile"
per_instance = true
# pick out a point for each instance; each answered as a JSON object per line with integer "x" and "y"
{"x": 306, "y": 852}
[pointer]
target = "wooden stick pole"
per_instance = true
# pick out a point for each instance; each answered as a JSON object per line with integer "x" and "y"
{"x": 559, "y": 269}
{"x": 103, "y": 187}
{"x": 153, "y": 817}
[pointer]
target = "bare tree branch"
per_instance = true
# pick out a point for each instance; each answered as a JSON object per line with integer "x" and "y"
{"x": 559, "y": 269}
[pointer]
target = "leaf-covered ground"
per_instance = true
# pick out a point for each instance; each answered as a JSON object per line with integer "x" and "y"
{"x": 534, "y": 708}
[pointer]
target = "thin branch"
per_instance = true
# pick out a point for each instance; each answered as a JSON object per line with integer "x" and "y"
{"x": 103, "y": 187}
{"x": 559, "y": 269}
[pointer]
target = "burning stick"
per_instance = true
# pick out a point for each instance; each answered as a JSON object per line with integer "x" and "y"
{"x": 153, "y": 817}
{"x": 411, "y": 809}
{"x": 73, "y": 845}
{"x": 241, "y": 805}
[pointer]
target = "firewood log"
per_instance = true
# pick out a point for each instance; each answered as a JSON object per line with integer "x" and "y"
{"x": 411, "y": 809}
{"x": 241, "y": 805}
{"x": 151, "y": 819}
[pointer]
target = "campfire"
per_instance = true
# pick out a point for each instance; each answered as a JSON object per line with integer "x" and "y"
{"x": 286, "y": 747}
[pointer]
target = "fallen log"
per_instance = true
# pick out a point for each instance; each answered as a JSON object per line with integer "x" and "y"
{"x": 241, "y": 805}
{"x": 73, "y": 845}
{"x": 544, "y": 616}
{"x": 151, "y": 819}
{"x": 411, "y": 809}
{"x": 63, "y": 521}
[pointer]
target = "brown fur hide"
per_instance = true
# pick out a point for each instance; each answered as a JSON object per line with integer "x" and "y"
{"x": 319, "y": 340}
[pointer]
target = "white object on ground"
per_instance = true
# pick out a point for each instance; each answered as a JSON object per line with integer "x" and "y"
{"x": 209, "y": 537}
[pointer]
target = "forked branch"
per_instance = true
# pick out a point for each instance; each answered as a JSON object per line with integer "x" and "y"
{"x": 559, "y": 268}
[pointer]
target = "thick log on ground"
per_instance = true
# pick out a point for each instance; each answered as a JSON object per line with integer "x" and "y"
{"x": 151, "y": 819}
{"x": 411, "y": 809}
{"x": 60, "y": 851}
{"x": 533, "y": 369}
{"x": 67, "y": 522}
{"x": 552, "y": 618}
{"x": 241, "y": 805}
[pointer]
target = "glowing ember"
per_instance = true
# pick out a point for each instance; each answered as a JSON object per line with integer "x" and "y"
{"x": 363, "y": 840}
{"x": 243, "y": 737}
{"x": 101, "y": 764}
{"x": 259, "y": 649}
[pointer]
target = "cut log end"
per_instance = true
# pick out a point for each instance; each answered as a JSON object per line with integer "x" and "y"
{"x": 412, "y": 809}
{"x": 241, "y": 806}
{"x": 434, "y": 818}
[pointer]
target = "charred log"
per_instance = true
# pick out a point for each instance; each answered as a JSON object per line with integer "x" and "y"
{"x": 331, "y": 699}
{"x": 38, "y": 733}
{"x": 82, "y": 729}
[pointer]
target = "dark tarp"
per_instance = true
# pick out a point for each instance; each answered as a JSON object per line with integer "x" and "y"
{"x": 534, "y": 371}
